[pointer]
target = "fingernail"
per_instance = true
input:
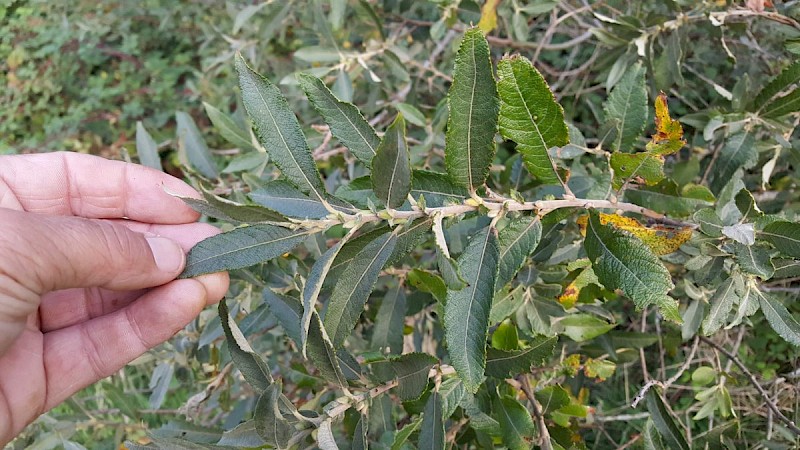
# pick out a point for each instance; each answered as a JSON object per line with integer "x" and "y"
{"x": 167, "y": 253}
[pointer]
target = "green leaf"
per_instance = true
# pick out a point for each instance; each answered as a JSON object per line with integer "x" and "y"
{"x": 779, "y": 318}
{"x": 437, "y": 188}
{"x": 627, "y": 105}
{"x": 287, "y": 311}
{"x": 754, "y": 259}
{"x": 241, "y": 247}
{"x": 648, "y": 167}
{"x": 229, "y": 211}
{"x": 583, "y": 327}
{"x": 286, "y": 199}
{"x": 325, "y": 439}
{"x": 785, "y": 236}
{"x": 517, "y": 241}
{"x": 269, "y": 422}
{"x": 721, "y": 303}
{"x": 252, "y": 161}
{"x": 146, "y": 148}
{"x": 410, "y": 370}
{"x": 313, "y": 286}
{"x": 782, "y": 106}
{"x": 651, "y": 440}
{"x": 389, "y": 322}
{"x": 504, "y": 364}
{"x": 391, "y": 166}
{"x": 692, "y": 319}
{"x": 402, "y": 436}
{"x": 411, "y": 113}
{"x": 505, "y": 337}
{"x": 321, "y": 352}
{"x": 278, "y": 131}
{"x": 360, "y": 441}
{"x": 431, "y": 434}
{"x": 354, "y": 286}
{"x": 664, "y": 422}
{"x": 252, "y": 366}
{"x": 739, "y": 152}
{"x": 344, "y": 119}
{"x": 466, "y": 314}
{"x": 229, "y": 130}
{"x": 552, "y": 398}
{"x": 193, "y": 146}
{"x": 472, "y": 123}
{"x": 664, "y": 198}
{"x": 515, "y": 423}
{"x": 709, "y": 222}
{"x": 788, "y": 77}
{"x": 505, "y": 304}
{"x": 530, "y": 116}
{"x": 451, "y": 391}
{"x": 428, "y": 282}
{"x": 622, "y": 261}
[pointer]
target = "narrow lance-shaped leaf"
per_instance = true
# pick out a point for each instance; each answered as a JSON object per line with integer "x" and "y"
{"x": 721, "y": 303}
{"x": 664, "y": 422}
{"x": 785, "y": 236}
{"x": 779, "y": 318}
{"x": 530, "y": 116}
{"x": 278, "y": 130}
{"x": 466, "y": 314}
{"x": 738, "y": 152}
{"x": 241, "y": 247}
{"x": 517, "y": 241}
{"x": 402, "y": 436}
{"x": 391, "y": 166}
{"x": 360, "y": 441}
{"x": 789, "y": 76}
{"x": 193, "y": 146}
{"x": 344, "y": 119}
{"x": 505, "y": 364}
{"x": 354, "y": 286}
{"x": 472, "y": 123}
{"x": 286, "y": 199}
{"x": 437, "y": 188}
{"x": 410, "y": 370}
{"x": 230, "y": 211}
{"x": 389, "y": 322}
{"x": 622, "y": 261}
{"x": 515, "y": 422}
{"x": 431, "y": 433}
{"x": 270, "y": 424}
{"x": 627, "y": 104}
{"x": 232, "y": 132}
{"x": 146, "y": 148}
{"x": 252, "y": 365}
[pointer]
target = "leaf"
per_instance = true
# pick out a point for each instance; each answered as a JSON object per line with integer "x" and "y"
{"x": 782, "y": 106}
{"x": 451, "y": 391}
{"x": 692, "y": 318}
{"x": 229, "y": 130}
{"x": 505, "y": 337}
{"x": 709, "y": 222}
{"x": 412, "y": 114}
{"x": 252, "y": 161}
{"x": 313, "y": 286}
{"x": 431, "y": 433}
{"x": 788, "y": 77}
{"x": 354, "y": 286}
{"x": 325, "y": 439}
{"x": 530, "y": 116}
{"x": 622, "y": 261}
{"x": 226, "y": 210}
{"x": 243, "y": 435}
{"x": 252, "y": 366}
{"x": 360, "y": 441}
{"x": 627, "y": 105}
{"x": 583, "y": 327}
{"x": 146, "y": 148}
{"x": 785, "y": 236}
{"x": 779, "y": 318}
{"x": 739, "y": 152}
{"x": 517, "y": 241}
{"x": 428, "y": 282}
{"x": 515, "y": 423}
{"x": 389, "y": 322}
{"x": 472, "y": 123}
{"x": 661, "y": 239}
{"x": 721, "y": 303}
{"x": 402, "y": 436}
{"x": 286, "y": 199}
{"x": 466, "y": 314}
{"x": 193, "y": 146}
{"x": 754, "y": 259}
{"x": 669, "y": 132}
{"x": 504, "y": 364}
{"x": 241, "y": 247}
{"x": 651, "y": 440}
{"x": 269, "y": 422}
{"x": 743, "y": 233}
{"x": 664, "y": 422}
{"x": 410, "y": 370}
{"x": 646, "y": 167}
{"x": 552, "y": 398}
{"x": 391, "y": 166}
{"x": 665, "y": 198}
{"x": 437, "y": 188}
{"x": 488, "y": 20}
{"x": 321, "y": 352}
{"x": 278, "y": 131}
{"x": 344, "y": 119}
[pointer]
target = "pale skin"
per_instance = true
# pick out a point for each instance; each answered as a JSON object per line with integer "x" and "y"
{"x": 89, "y": 254}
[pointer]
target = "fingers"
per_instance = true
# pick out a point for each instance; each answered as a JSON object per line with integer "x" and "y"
{"x": 93, "y": 187}
{"x": 90, "y": 351}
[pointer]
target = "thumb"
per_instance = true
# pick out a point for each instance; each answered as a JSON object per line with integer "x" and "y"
{"x": 46, "y": 253}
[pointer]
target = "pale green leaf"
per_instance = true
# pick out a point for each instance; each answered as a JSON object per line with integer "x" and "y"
{"x": 515, "y": 423}
{"x": 246, "y": 162}
{"x": 721, "y": 303}
{"x": 269, "y": 422}
{"x": 739, "y": 152}
{"x": 664, "y": 422}
{"x": 325, "y": 439}
{"x": 344, "y": 119}
{"x": 505, "y": 364}
{"x": 241, "y": 247}
{"x": 278, "y": 130}
{"x": 146, "y": 148}
{"x": 354, "y": 286}
{"x": 583, "y": 327}
{"x": 709, "y": 222}
{"x": 250, "y": 364}
{"x": 530, "y": 116}
{"x": 193, "y": 146}
{"x": 229, "y": 130}
{"x": 286, "y": 199}
{"x": 389, "y": 322}
{"x": 466, "y": 314}
{"x": 411, "y": 113}
{"x": 402, "y": 436}
{"x": 391, "y": 166}
{"x": 622, "y": 261}
{"x": 779, "y": 318}
{"x": 431, "y": 433}
{"x": 242, "y": 435}
{"x": 627, "y": 105}
{"x": 785, "y": 236}
{"x": 517, "y": 241}
{"x": 472, "y": 123}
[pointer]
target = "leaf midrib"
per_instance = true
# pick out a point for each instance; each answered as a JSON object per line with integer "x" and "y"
{"x": 472, "y": 298}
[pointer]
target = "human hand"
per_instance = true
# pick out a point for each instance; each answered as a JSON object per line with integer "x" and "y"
{"x": 89, "y": 252}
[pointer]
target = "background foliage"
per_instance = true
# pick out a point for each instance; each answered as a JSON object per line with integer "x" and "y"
{"x": 80, "y": 76}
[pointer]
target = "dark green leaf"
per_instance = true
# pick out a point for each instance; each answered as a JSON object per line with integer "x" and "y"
{"x": 313, "y": 286}
{"x": 451, "y": 391}
{"x": 552, "y": 398}
{"x": 627, "y": 106}
{"x": 431, "y": 434}
{"x": 241, "y": 247}
{"x": 229, "y": 211}
{"x": 721, "y": 303}
{"x": 664, "y": 422}
{"x": 243, "y": 435}
{"x": 517, "y": 241}
{"x": 754, "y": 259}
{"x": 278, "y": 131}
{"x": 287, "y": 310}
{"x": 709, "y": 221}
{"x": 466, "y": 315}
{"x": 391, "y": 166}
{"x": 789, "y": 76}
{"x": 785, "y": 236}
{"x": 286, "y": 199}
{"x": 194, "y": 147}
{"x": 530, "y": 116}
{"x": 503, "y": 364}
{"x": 472, "y": 124}
{"x": 739, "y": 152}
{"x": 622, "y": 261}
{"x": 269, "y": 422}
{"x": 344, "y": 119}
{"x": 782, "y": 106}
{"x": 779, "y": 318}
{"x": 410, "y": 370}
{"x": 436, "y": 188}
{"x": 515, "y": 423}
{"x": 146, "y": 148}
{"x": 428, "y": 282}
{"x": 321, "y": 352}
{"x": 583, "y": 327}
{"x": 360, "y": 441}
{"x": 648, "y": 167}
{"x": 402, "y": 436}
{"x": 253, "y": 367}
{"x": 232, "y": 132}
{"x": 389, "y": 322}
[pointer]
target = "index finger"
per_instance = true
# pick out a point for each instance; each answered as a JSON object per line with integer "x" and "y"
{"x": 75, "y": 184}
